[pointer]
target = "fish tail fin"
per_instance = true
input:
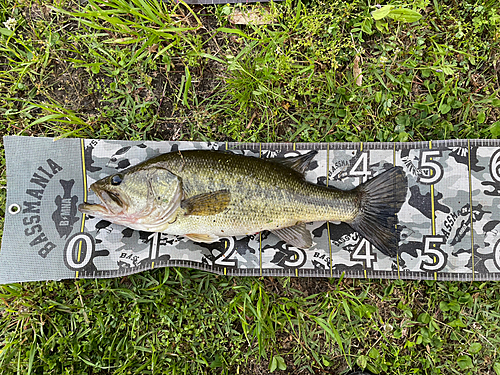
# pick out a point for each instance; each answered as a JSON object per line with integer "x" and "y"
{"x": 381, "y": 199}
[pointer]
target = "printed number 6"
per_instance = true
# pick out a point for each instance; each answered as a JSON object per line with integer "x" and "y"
{"x": 75, "y": 248}
{"x": 497, "y": 254}
{"x": 495, "y": 166}
{"x": 435, "y": 170}
{"x": 437, "y": 255}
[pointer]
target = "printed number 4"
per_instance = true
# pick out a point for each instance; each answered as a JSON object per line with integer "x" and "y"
{"x": 362, "y": 172}
{"x": 368, "y": 257}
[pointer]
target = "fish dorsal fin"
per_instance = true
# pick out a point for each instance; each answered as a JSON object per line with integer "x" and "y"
{"x": 297, "y": 236}
{"x": 298, "y": 163}
{"x": 205, "y": 238}
{"x": 207, "y": 203}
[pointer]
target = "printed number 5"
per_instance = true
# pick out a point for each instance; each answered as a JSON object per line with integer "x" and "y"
{"x": 433, "y": 170}
{"x": 436, "y": 254}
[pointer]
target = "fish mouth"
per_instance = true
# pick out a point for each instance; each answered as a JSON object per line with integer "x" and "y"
{"x": 110, "y": 204}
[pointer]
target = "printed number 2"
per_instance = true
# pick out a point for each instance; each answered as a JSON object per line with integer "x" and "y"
{"x": 367, "y": 257}
{"x": 362, "y": 172}
{"x": 433, "y": 170}
{"x": 436, "y": 254}
{"x": 223, "y": 259}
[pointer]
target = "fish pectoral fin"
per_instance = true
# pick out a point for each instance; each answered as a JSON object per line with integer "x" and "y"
{"x": 299, "y": 163}
{"x": 297, "y": 236}
{"x": 206, "y": 238}
{"x": 207, "y": 203}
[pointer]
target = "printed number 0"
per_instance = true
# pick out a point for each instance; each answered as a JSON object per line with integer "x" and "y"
{"x": 297, "y": 260}
{"x": 435, "y": 169}
{"x": 437, "y": 255}
{"x": 72, "y": 250}
{"x": 495, "y": 166}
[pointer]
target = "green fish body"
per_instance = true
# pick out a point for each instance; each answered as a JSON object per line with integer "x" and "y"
{"x": 205, "y": 195}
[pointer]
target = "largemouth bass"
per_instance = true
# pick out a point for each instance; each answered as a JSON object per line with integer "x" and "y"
{"x": 206, "y": 195}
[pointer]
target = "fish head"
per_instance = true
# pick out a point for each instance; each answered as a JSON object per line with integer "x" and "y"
{"x": 140, "y": 198}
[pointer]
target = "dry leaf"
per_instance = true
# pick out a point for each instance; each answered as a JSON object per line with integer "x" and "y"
{"x": 356, "y": 71}
{"x": 153, "y": 48}
{"x": 255, "y": 16}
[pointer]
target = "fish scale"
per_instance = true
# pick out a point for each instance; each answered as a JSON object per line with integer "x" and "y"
{"x": 271, "y": 197}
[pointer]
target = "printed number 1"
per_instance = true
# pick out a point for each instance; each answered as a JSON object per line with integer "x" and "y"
{"x": 154, "y": 247}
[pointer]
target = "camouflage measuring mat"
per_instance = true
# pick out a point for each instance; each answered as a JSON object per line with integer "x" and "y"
{"x": 46, "y": 237}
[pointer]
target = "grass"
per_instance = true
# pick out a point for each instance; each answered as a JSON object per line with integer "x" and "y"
{"x": 132, "y": 69}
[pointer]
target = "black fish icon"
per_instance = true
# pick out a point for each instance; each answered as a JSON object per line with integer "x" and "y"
{"x": 64, "y": 216}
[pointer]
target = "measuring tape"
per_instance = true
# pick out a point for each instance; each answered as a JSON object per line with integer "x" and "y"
{"x": 449, "y": 224}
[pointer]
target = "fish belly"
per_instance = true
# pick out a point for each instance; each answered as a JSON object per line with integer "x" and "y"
{"x": 249, "y": 216}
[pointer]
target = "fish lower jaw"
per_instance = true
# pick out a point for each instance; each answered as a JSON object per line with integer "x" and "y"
{"x": 148, "y": 227}
{"x": 98, "y": 210}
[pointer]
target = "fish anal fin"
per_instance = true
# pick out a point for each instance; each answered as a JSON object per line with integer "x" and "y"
{"x": 205, "y": 238}
{"x": 207, "y": 203}
{"x": 296, "y": 235}
{"x": 298, "y": 163}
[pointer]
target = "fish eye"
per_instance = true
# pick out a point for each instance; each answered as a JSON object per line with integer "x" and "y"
{"x": 116, "y": 180}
